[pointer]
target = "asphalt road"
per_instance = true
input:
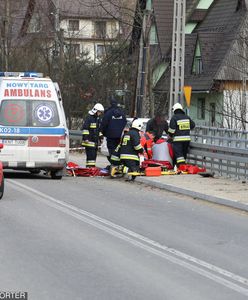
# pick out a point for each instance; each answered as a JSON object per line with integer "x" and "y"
{"x": 97, "y": 238}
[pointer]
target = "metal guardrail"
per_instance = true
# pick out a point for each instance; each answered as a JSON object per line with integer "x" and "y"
{"x": 75, "y": 138}
{"x": 220, "y": 150}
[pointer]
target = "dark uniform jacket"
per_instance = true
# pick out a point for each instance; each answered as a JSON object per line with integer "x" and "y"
{"x": 130, "y": 145}
{"x": 113, "y": 122}
{"x": 180, "y": 126}
{"x": 91, "y": 131}
{"x": 157, "y": 129}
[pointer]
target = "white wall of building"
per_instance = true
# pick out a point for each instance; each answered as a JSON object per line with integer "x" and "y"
{"x": 86, "y": 36}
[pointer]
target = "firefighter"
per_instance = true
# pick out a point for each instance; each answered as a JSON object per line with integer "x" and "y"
{"x": 113, "y": 123}
{"x": 131, "y": 147}
{"x": 91, "y": 134}
{"x": 115, "y": 156}
{"x": 179, "y": 130}
{"x": 147, "y": 141}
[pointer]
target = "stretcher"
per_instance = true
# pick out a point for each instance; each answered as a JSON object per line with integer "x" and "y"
{"x": 117, "y": 171}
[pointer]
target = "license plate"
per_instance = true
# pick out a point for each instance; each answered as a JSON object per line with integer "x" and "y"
{"x": 13, "y": 142}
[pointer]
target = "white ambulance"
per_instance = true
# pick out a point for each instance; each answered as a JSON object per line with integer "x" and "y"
{"x": 32, "y": 124}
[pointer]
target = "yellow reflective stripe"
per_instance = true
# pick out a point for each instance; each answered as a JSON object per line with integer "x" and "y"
{"x": 138, "y": 147}
{"x": 171, "y": 130}
{"x": 183, "y": 121}
{"x": 129, "y": 156}
{"x": 117, "y": 148}
{"x": 92, "y": 125}
{"x": 125, "y": 169}
{"x": 88, "y": 144}
{"x": 115, "y": 158}
{"x": 183, "y": 124}
{"x": 181, "y": 138}
{"x": 125, "y": 140}
{"x": 90, "y": 163}
{"x": 85, "y": 132}
{"x": 180, "y": 159}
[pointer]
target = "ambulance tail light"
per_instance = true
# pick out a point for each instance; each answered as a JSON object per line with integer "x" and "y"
{"x": 62, "y": 141}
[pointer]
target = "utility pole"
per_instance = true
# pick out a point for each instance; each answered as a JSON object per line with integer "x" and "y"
{"x": 178, "y": 53}
{"x": 5, "y": 41}
{"x": 58, "y": 52}
{"x": 141, "y": 85}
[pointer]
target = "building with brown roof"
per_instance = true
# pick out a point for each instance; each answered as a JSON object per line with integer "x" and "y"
{"x": 215, "y": 59}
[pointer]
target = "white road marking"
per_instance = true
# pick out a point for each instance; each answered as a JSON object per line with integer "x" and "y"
{"x": 194, "y": 264}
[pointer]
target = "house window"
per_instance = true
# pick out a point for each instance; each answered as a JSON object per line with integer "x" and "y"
{"x": 201, "y": 108}
{"x": 74, "y": 49}
{"x": 198, "y": 65}
{"x": 114, "y": 29}
{"x": 100, "y": 51}
{"x": 212, "y": 114}
{"x": 103, "y": 50}
{"x": 100, "y": 29}
{"x": 73, "y": 25}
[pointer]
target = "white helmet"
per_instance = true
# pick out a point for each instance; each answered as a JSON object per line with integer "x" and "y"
{"x": 97, "y": 107}
{"x": 137, "y": 124}
{"x": 177, "y": 106}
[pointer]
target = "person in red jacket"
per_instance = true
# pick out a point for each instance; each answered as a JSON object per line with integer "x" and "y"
{"x": 147, "y": 141}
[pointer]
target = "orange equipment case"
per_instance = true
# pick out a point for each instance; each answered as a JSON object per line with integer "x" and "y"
{"x": 153, "y": 171}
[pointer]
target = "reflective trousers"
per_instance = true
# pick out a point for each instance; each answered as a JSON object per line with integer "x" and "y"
{"x": 180, "y": 150}
{"x": 91, "y": 154}
{"x": 133, "y": 165}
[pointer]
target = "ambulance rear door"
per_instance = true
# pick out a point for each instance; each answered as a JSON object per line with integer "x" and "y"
{"x": 47, "y": 135}
{"x": 14, "y": 133}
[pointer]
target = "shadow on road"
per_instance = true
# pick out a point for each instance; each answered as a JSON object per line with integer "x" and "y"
{"x": 25, "y": 175}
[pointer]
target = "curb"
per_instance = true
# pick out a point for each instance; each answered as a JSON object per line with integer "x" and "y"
{"x": 208, "y": 198}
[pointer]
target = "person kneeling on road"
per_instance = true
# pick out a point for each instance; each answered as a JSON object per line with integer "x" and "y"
{"x": 131, "y": 148}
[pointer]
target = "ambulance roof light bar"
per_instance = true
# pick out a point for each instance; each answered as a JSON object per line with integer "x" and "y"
{"x": 21, "y": 74}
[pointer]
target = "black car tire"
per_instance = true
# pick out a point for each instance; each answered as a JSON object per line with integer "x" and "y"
{"x": 2, "y": 188}
{"x": 55, "y": 176}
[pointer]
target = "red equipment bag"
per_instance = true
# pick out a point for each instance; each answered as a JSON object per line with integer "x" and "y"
{"x": 156, "y": 163}
{"x": 191, "y": 169}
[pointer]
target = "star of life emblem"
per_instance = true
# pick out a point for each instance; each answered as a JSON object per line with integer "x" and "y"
{"x": 44, "y": 113}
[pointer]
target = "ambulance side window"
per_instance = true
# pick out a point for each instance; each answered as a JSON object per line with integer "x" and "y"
{"x": 44, "y": 114}
{"x": 13, "y": 113}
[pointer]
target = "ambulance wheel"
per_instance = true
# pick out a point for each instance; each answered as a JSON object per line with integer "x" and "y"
{"x": 56, "y": 175}
{"x": 2, "y": 188}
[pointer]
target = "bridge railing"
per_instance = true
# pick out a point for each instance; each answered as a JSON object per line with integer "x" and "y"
{"x": 220, "y": 150}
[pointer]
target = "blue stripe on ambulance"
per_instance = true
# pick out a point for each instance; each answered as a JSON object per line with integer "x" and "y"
{"x": 32, "y": 130}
